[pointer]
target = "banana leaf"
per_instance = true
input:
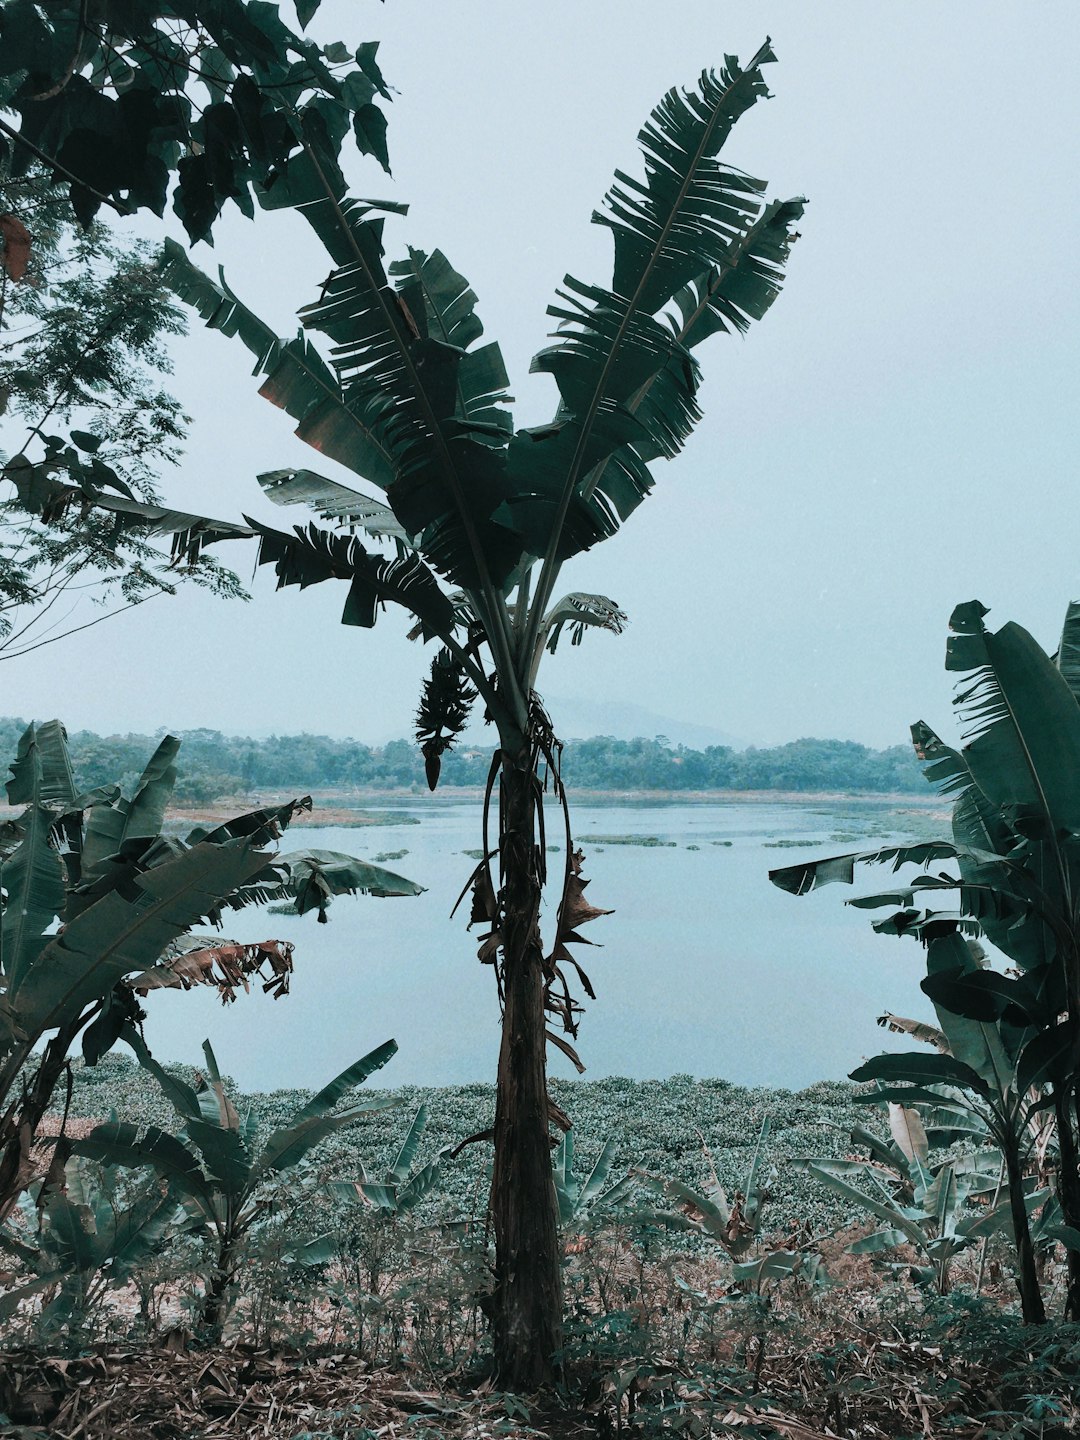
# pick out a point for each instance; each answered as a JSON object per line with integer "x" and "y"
{"x": 118, "y": 1142}
{"x": 406, "y": 1155}
{"x": 114, "y": 937}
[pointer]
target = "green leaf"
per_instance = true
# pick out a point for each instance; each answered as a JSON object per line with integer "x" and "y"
{"x": 406, "y": 381}
{"x": 886, "y": 1239}
{"x": 225, "y": 1157}
{"x": 312, "y": 877}
{"x": 798, "y": 879}
{"x": 139, "y": 1233}
{"x": 599, "y": 1173}
{"x": 450, "y": 308}
{"x": 835, "y": 1174}
{"x": 369, "y": 131}
{"x": 1066, "y": 1235}
{"x": 614, "y": 352}
{"x": 565, "y": 1186}
{"x": 714, "y": 1217}
{"x": 33, "y": 877}
{"x": 118, "y": 1142}
{"x": 41, "y": 772}
{"x": 921, "y": 1069}
{"x": 405, "y": 1156}
{"x": 1051, "y": 1056}
{"x": 348, "y": 1080}
{"x": 1067, "y": 658}
{"x": 115, "y": 936}
{"x": 1024, "y": 723}
{"x": 153, "y": 792}
{"x": 298, "y": 380}
{"x": 419, "y": 1185}
{"x": 287, "y": 1147}
{"x": 975, "y": 1042}
{"x": 333, "y": 501}
{"x": 310, "y": 556}
{"x": 178, "y": 1092}
{"x": 260, "y": 827}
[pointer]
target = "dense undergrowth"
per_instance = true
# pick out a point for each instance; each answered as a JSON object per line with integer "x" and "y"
{"x": 771, "y": 1329}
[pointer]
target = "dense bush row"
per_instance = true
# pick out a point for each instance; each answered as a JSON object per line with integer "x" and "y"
{"x": 213, "y": 765}
{"x": 682, "y": 1127}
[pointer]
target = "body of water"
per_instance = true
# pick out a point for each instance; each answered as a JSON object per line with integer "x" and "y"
{"x": 703, "y": 968}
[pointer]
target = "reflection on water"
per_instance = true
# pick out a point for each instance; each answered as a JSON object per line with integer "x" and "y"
{"x": 704, "y": 968}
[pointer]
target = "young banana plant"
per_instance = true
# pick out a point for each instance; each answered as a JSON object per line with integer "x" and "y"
{"x": 1014, "y": 878}
{"x": 126, "y": 898}
{"x": 80, "y": 1237}
{"x": 732, "y": 1221}
{"x": 587, "y": 1202}
{"x": 480, "y": 519}
{"x": 215, "y": 1167}
{"x": 402, "y": 1189}
{"x": 917, "y": 1203}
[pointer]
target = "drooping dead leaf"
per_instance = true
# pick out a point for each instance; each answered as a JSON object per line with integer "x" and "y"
{"x": 575, "y": 909}
{"x": 567, "y": 1049}
{"x": 17, "y": 242}
{"x": 928, "y": 1034}
{"x": 906, "y": 1128}
{"x": 228, "y": 966}
{"x": 485, "y": 906}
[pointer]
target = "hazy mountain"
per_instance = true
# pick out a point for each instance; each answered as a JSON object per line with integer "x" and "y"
{"x": 582, "y": 719}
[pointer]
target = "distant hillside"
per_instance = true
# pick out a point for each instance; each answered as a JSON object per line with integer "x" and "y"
{"x": 213, "y": 765}
{"x": 580, "y": 719}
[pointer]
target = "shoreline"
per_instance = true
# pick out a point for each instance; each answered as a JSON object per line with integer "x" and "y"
{"x": 357, "y": 809}
{"x": 350, "y": 811}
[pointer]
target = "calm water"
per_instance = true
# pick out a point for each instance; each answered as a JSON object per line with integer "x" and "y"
{"x": 705, "y": 967}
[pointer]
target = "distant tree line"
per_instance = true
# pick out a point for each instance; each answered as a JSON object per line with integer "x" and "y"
{"x": 214, "y": 765}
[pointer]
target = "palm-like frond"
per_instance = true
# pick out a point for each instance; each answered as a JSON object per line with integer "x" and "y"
{"x": 312, "y": 878}
{"x": 580, "y": 611}
{"x": 450, "y": 308}
{"x": 310, "y": 555}
{"x": 117, "y": 935}
{"x": 298, "y": 380}
{"x": 333, "y": 501}
{"x": 418, "y": 391}
{"x": 41, "y": 772}
{"x": 694, "y": 233}
{"x": 42, "y": 494}
{"x": 1023, "y": 723}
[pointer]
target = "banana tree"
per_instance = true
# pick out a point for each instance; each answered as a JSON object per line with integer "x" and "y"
{"x": 215, "y": 1167}
{"x": 98, "y": 907}
{"x": 917, "y": 1202}
{"x": 402, "y": 1189}
{"x": 480, "y": 519}
{"x": 80, "y": 1237}
{"x": 1015, "y": 852}
{"x": 733, "y": 1222}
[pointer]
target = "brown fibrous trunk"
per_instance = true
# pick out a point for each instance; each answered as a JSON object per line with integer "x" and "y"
{"x": 528, "y": 1300}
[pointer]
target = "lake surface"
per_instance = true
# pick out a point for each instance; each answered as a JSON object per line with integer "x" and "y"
{"x": 704, "y": 968}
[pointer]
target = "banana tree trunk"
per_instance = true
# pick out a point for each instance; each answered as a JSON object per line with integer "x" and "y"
{"x": 1069, "y": 1185}
{"x": 217, "y": 1297}
{"x": 18, "y": 1127}
{"x": 1027, "y": 1279}
{"x": 528, "y": 1301}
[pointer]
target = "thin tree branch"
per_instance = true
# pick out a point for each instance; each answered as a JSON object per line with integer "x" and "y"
{"x": 15, "y": 654}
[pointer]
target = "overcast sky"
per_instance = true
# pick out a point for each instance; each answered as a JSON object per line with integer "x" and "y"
{"x": 899, "y": 434}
